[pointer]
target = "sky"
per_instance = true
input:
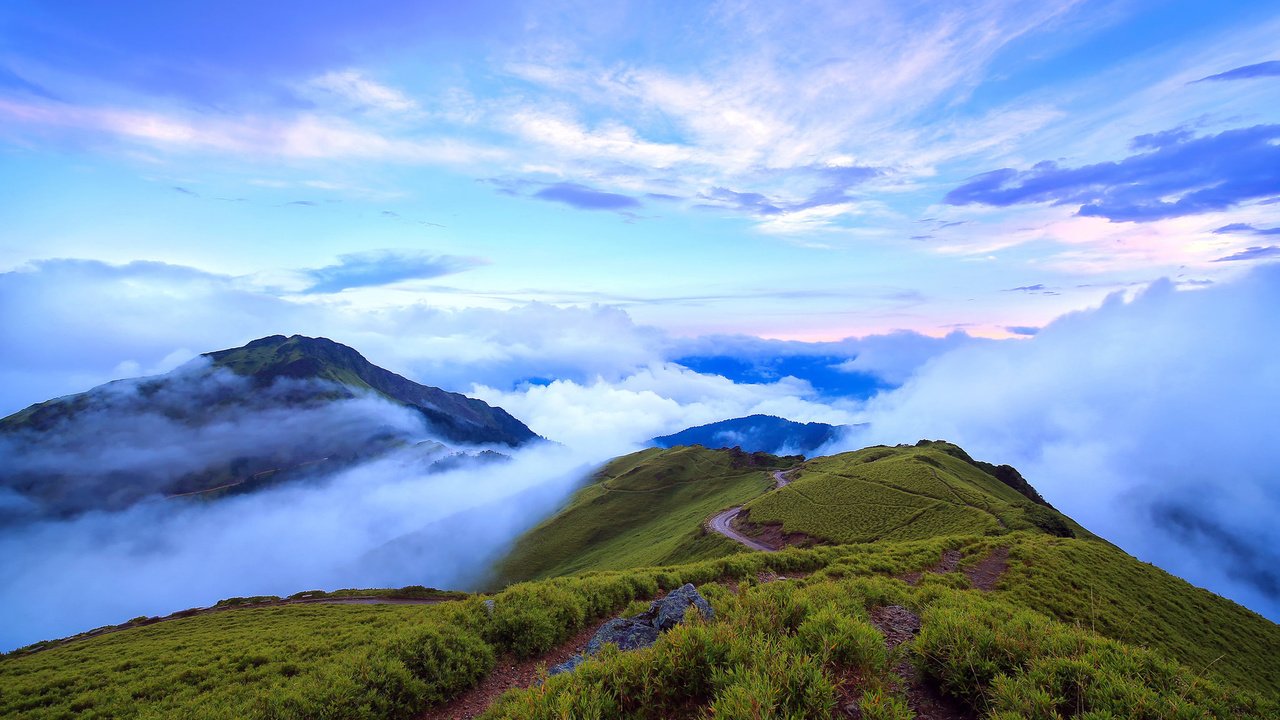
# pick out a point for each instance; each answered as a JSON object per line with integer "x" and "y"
{"x": 815, "y": 171}
{"x": 1044, "y": 230}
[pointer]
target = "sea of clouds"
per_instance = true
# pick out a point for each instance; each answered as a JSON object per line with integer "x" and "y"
{"x": 1150, "y": 419}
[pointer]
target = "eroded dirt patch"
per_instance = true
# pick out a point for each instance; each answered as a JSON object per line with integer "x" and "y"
{"x": 899, "y": 627}
{"x": 508, "y": 673}
{"x": 771, "y": 534}
{"x": 949, "y": 561}
{"x": 985, "y": 573}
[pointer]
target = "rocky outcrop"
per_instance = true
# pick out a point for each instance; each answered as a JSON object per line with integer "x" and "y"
{"x": 641, "y": 631}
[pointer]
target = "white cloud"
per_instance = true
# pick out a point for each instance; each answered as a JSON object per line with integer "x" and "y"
{"x": 353, "y": 87}
{"x": 656, "y": 400}
{"x": 1151, "y": 421}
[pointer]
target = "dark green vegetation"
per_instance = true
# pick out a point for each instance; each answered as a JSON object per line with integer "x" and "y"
{"x": 756, "y": 433}
{"x": 455, "y": 417}
{"x": 790, "y": 648}
{"x": 646, "y": 508}
{"x": 275, "y": 410}
{"x": 906, "y": 493}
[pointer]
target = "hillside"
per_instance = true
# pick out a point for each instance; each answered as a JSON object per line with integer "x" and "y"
{"x": 817, "y": 633}
{"x": 904, "y": 493}
{"x": 453, "y": 416}
{"x": 646, "y": 508}
{"x": 977, "y": 602}
{"x": 756, "y": 433}
{"x": 233, "y": 421}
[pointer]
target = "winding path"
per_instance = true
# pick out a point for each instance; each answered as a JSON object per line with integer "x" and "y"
{"x": 722, "y": 523}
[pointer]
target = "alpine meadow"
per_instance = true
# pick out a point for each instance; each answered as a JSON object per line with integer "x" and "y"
{"x": 561, "y": 360}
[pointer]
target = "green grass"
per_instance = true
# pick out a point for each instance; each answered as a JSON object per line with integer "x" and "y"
{"x": 793, "y": 649}
{"x": 647, "y": 508}
{"x": 901, "y": 493}
{"x": 1074, "y": 628}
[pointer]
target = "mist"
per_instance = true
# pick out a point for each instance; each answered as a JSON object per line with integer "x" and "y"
{"x": 158, "y": 557}
{"x": 1150, "y": 420}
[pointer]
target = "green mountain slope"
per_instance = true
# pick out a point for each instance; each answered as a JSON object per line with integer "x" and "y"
{"x": 646, "y": 508}
{"x": 905, "y": 493}
{"x": 805, "y": 647}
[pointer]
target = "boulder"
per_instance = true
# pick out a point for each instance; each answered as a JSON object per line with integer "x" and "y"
{"x": 668, "y": 612}
{"x": 642, "y": 630}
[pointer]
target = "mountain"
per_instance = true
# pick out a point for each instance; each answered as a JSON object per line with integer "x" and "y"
{"x": 646, "y": 508}
{"x": 650, "y": 507}
{"x": 232, "y": 421}
{"x": 453, "y": 416}
{"x": 756, "y": 433}
{"x": 919, "y": 584}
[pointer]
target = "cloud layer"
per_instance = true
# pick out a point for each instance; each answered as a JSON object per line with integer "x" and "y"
{"x": 1150, "y": 421}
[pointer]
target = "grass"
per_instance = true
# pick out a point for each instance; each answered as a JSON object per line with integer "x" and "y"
{"x": 785, "y": 649}
{"x": 1074, "y": 627}
{"x": 797, "y": 649}
{"x": 642, "y": 509}
{"x": 901, "y": 493}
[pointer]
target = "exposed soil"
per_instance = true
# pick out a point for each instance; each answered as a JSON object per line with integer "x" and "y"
{"x": 507, "y": 674}
{"x": 985, "y": 573}
{"x": 948, "y": 563}
{"x": 771, "y": 534}
{"x": 896, "y": 623}
{"x": 899, "y": 626}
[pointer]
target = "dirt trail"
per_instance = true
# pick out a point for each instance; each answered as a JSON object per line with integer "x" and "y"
{"x": 722, "y": 524}
{"x": 507, "y": 674}
{"x": 899, "y": 627}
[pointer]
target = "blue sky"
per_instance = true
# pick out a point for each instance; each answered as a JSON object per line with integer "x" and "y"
{"x": 809, "y": 171}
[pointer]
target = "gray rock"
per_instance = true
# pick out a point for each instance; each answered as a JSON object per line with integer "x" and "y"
{"x": 669, "y": 611}
{"x": 488, "y": 607}
{"x": 642, "y": 630}
{"x": 626, "y": 633}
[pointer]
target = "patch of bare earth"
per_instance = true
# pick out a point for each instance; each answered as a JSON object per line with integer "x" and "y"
{"x": 508, "y": 673}
{"x": 948, "y": 563}
{"x": 985, "y": 573}
{"x": 771, "y": 534}
{"x": 899, "y": 626}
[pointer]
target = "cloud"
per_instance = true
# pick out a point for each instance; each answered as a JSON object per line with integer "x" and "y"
{"x": 658, "y": 399}
{"x": 1253, "y": 253}
{"x": 894, "y": 357}
{"x": 1270, "y": 68}
{"x": 379, "y": 524}
{"x": 185, "y": 191}
{"x": 585, "y": 198}
{"x": 1126, "y": 416}
{"x": 1025, "y": 330}
{"x": 1246, "y": 228}
{"x": 1180, "y": 175}
{"x": 146, "y": 317}
{"x": 353, "y": 87}
{"x": 383, "y": 267}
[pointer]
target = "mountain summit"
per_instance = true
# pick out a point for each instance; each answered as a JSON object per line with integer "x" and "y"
{"x": 232, "y": 421}
{"x": 454, "y": 416}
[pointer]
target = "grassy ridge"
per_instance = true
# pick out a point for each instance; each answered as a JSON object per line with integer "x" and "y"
{"x": 787, "y": 646}
{"x": 646, "y": 508}
{"x": 902, "y": 493}
{"x": 800, "y": 650}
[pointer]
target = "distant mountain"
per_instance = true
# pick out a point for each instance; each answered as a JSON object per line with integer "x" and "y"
{"x": 232, "y": 421}
{"x": 756, "y": 433}
{"x": 455, "y": 417}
